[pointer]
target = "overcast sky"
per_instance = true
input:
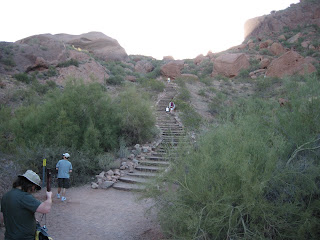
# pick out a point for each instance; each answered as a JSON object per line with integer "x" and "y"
{"x": 157, "y": 28}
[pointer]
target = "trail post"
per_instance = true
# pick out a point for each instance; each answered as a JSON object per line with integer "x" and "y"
{"x": 44, "y": 164}
{"x": 48, "y": 180}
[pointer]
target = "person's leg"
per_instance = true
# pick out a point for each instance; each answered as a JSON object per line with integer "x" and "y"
{"x": 64, "y": 188}
{"x": 59, "y": 187}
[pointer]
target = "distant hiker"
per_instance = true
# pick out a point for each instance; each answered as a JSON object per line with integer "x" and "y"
{"x": 64, "y": 168}
{"x": 18, "y": 207}
{"x": 172, "y": 106}
{"x": 168, "y": 80}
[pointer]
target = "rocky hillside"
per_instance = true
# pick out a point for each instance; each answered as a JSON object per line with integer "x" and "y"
{"x": 307, "y": 12}
{"x": 281, "y": 43}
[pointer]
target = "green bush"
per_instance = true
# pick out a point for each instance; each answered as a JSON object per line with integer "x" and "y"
{"x": 137, "y": 122}
{"x": 23, "y": 77}
{"x": 152, "y": 84}
{"x": 82, "y": 120}
{"x": 71, "y": 62}
{"x": 115, "y": 80}
{"x": 254, "y": 176}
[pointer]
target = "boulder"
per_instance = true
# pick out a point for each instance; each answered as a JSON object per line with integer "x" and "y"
{"x": 143, "y": 66}
{"x": 190, "y": 76}
{"x": 106, "y": 184}
{"x": 277, "y": 49}
{"x": 295, "y": 38}
{"x": 264, "y": 63}
{"x": 94, "y": 185}
{"x": 289, "y": 63}
{"x": 230, "y": 64}
{"x": 39, "y": 65}
{"x": 199, "y": 59}
{"x": 172, "y": 69}
{"x": 131, "y": 78}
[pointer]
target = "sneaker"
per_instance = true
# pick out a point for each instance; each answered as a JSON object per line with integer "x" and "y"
{"x": 63, "y": 199}
{"x": 58, "y": 195}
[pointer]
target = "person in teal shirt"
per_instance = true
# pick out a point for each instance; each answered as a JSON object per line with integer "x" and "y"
{"x": 64, "y": 168}
{"x": 18, "y": 207}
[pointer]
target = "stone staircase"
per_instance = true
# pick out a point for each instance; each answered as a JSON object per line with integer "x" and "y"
{"x": 171, "y": 133}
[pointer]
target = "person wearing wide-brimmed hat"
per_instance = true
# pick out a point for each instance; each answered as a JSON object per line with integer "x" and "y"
{"x": 18, "y": 207}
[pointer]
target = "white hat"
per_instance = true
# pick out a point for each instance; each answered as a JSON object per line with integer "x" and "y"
{"x": 67, "y": 155}
{"x": 32, "y": 177}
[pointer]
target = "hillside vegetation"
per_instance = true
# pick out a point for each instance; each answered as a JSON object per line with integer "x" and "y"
{"x": 255, "y": 175}
{"x": 250, "y": 169}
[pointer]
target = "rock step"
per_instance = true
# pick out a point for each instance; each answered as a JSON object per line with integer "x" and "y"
{"x": 156, "y": 158}
{"x": 149, "y": 168}
{"x": 133, "y": 179}
{"x": 154, "y": 163}
{"x": 128, "y": 186}
{"x": 143, "y": 174}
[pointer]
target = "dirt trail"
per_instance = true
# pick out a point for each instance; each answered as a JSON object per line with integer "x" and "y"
{"x": 100, "y": 214}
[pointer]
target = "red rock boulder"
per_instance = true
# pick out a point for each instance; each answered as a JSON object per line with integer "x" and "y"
{"x": 289, "y": 64}
{"x": 230, "y": 64}
{"x": 172, "y": 69}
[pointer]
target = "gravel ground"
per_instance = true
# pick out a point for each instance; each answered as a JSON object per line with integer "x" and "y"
{"x": 99, "y": 214}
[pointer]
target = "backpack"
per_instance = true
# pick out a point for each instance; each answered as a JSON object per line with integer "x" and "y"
{"x": 41, "y": 233}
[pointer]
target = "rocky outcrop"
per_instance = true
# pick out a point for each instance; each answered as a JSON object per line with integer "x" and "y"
{"x": 102, "y": 46}
{"x": 143, "y": 66}
{"x": 289, "y": 64}
{"x": 230, "y": 64}
{"x": 97, "y": 43}
{"x": 172, "y": 69}
{"x": 306, "y": 12}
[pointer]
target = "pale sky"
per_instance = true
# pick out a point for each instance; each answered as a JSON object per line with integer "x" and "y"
{"x": 179, "y": 28}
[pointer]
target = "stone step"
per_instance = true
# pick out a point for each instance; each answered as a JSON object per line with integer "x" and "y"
{"x": 154, "y": 163}
{"x": 133, "y": 179}
{"x": 128, "y": 186}
{"x": 155, "y": 158}
{"x": 141, "y": 174}
{"x": 149, "y": 168}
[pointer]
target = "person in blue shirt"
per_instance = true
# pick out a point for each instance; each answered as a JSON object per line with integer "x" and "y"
{"x": 64, "y": 168}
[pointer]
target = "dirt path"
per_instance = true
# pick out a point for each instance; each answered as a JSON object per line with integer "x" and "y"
{"x": 100, "y": 214}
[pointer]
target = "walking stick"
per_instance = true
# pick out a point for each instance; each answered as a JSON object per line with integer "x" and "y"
{"x": 48, "y": 180}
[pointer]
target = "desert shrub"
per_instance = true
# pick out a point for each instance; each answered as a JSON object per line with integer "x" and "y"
{"x": 63, "y": 118}
{"x": 155, "y": 73}
{"x": 254, "y": 176}
{"x": 52, "y": 71}
{"x": 8, "y": 61}
{"x": 152, "y": 84}
{"x": 115, "y": 80}
{"x": 136, "y": 121}
{"x": 184, "y": 94}
{"x": 206, "y": 80}
{"x": 217, "y": 104}
{"x": 23, "y": 77}
{"x": 71, "y": 62}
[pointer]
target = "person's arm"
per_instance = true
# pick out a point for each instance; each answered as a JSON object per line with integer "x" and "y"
{"x": 45, "y": 206}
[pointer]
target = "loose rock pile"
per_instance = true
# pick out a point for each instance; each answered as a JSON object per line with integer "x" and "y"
{"x": 107, "y": 178}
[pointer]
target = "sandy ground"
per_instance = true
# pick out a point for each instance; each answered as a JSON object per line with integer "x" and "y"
{"x": 99, "y": 214}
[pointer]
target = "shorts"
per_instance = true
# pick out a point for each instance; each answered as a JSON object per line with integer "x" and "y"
{"x": 63, "y": 182}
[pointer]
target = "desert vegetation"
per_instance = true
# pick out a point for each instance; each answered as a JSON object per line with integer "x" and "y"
{"x": 252, "y": 176}
{"x": 60, "y": 121}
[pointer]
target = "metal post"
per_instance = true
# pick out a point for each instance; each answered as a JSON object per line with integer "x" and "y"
{"x": 44, "y": 164}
